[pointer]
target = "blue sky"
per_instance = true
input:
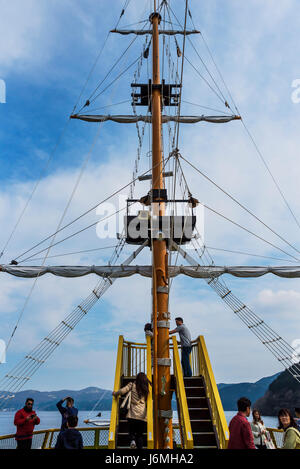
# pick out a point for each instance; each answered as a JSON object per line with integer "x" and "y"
{"x": 47, "y": 53}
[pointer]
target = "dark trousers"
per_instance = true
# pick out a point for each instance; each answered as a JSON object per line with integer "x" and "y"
{"x": 24, "y": 444}
{"x": 136, "y": 430}
{"x": 185, "y": 361}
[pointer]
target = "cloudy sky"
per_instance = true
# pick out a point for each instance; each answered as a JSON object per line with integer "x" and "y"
{"x": 47, "y": 50}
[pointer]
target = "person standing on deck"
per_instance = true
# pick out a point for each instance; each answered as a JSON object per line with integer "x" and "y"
{"x": 25, "y": 421}
{"x": 137, "y": 392}
{"x": 240, "y": 433}
{"x": 286, "y": 422}
{"x": 70, "y": 438}
{"x": 66, "y": 411}
{"x": 186, "y": 346}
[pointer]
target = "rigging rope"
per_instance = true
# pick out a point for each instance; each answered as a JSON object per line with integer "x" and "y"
{"x": 248, "y": 131}
{"x": 239, "y": 203}
{"x": 284, "y": 353}
{"x": 59, "y": 139}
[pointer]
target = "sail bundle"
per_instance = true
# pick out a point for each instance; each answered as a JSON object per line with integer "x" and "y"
{"x": 204, "y": 272}
{"x": 143, "y": 32}
{"x": 133, "y": 119}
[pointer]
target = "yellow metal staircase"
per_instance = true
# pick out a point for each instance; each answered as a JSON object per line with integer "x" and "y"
{"x": 202, "y": 422}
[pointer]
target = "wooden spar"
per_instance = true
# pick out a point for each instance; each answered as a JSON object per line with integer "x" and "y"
{"x": 162, "y": 378}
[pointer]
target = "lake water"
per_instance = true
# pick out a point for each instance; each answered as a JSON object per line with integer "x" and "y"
{"x": 53, "y": 420}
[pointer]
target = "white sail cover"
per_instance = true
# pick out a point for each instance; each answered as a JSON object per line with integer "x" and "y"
{"x": 142, "y": 32}
{"x": 132, "y": 119}
{"x": 146, "y": 271}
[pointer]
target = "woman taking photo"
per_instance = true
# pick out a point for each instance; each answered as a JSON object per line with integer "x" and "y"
{"x": 259, "y": 430}
{"x": 137, "y": 408}
{"x": 291, "y": 439}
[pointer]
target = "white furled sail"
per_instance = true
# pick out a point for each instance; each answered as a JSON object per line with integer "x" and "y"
{"x": 133, "y": 119}
{"x": 143, "y": 32}
{"x": 204, "y": 272}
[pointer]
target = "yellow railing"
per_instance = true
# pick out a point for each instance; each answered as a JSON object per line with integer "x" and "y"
{"x": 115, "y": 402}
{"x": 277, "y": 436}
{"x": 188, "y": 442}
{"x": 93, "y": 438}
{"x": 150, "y": 436}
{"x": 205, "y": 369}
{"x": 134, "y": 358}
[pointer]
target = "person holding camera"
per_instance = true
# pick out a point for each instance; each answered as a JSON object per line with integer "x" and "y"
{"x": 67, "y": 411}
{"x": 25, "y": 421}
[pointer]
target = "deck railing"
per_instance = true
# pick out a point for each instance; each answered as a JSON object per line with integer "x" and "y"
{"x": 184, "y": 416}
{"x": 150, "y": 436}
{"x": 205, "y": 369}
{"x": 277, "y": 437}
{"x": 114, "y": 417}
{"x": 93, "y": 438}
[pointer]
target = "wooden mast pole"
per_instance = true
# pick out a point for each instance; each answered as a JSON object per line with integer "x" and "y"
{"x": 162, "y": 378}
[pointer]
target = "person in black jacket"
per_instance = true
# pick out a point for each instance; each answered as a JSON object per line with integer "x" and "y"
{"x": 70, "y": 438}
{"x": 66, "y": 411}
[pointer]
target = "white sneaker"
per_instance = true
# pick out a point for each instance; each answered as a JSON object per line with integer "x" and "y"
{"x": 133, "y": 445}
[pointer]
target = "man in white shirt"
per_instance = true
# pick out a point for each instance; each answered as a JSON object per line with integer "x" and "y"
{"x": 186, "y": 346}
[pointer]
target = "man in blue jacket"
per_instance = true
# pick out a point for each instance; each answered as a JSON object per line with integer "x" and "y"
{"x": 70, "y": 438}
{"x": 67, "y": 411}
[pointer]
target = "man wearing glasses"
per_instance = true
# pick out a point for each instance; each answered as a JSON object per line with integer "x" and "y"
{"x": 25, "y": 421}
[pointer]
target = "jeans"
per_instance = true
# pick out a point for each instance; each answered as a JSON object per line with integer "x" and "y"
{"x": 24, "y": 444}
{"x": 185, "y": 361}
{"x": 136, "y": 430}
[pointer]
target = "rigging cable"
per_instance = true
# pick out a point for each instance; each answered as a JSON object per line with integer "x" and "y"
{"x": 249, "y": 133}
{"x": 239, "y": 203}
{"x": 269, "y": 338}
{"x": 43, "y": 172}
{"x": 81, "y": 216}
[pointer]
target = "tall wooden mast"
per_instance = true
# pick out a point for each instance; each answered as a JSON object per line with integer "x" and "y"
{"x": 161, "y": 375}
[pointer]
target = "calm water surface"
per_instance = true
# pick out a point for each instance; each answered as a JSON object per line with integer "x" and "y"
{"x": 53, "y": 420}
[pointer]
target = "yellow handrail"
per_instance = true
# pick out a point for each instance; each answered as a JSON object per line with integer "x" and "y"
{"x": 150, "y": 436}
{"x": 49, "y": 443}
{"x": 188, "y": 442}
{"x": 115, "y": 402}
{"x": 218, "y": 415}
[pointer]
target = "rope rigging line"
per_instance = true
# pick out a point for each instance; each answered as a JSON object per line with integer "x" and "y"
{"x": 91, "y": 97}
{"x": 267, "y": 336}
{"x": 237, "y": 224}
{"x": 73, "y": 253}
{"x": 248, "y": 132}
{"x": 53, "y": 239}
{"x": 206, "y": 107}
{"x": 202, "y": 61}
{"x": 239, "y": 203}
{"x": 218, "y": 93}
{"x": 39, "y": 355}
{"x": 86, "y": 160}
{"x": 248, "y": 254}
{"x": 250, "y": 232}
{"x": 59, "y": 140}
{"x": 14, "y": 380}
{"x": 81, "y": 216}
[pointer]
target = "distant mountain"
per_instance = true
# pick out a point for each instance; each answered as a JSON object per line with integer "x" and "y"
{"x": 283, "y": 393}
{"x": 85, "y": 399}
{"x": 230, "y": 393}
